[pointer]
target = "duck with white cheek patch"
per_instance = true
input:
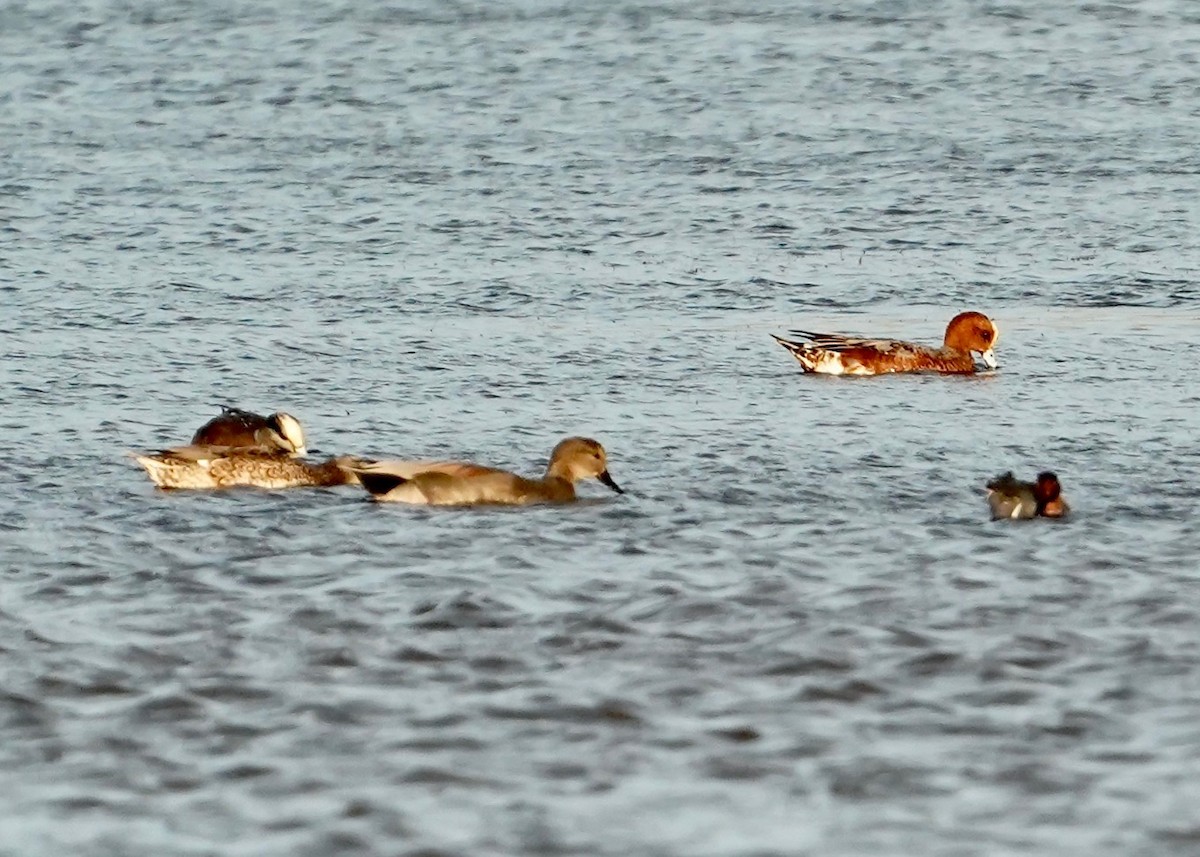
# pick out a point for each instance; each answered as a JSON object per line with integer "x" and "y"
{"x": 237, "y": 428}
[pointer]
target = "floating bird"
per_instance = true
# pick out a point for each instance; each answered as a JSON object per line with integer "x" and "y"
{"x": 1011, "y": 498}
{"x": 967, "y": 334}
{"x": 238, "y": 428}
{"x": 207, "y": 467}
{"x": 458, "y": 483}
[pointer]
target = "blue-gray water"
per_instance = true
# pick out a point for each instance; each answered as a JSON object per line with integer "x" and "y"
{"x": 469, "y": 229}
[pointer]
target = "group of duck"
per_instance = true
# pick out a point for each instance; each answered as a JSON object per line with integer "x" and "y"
{"x": 243, "y": 448}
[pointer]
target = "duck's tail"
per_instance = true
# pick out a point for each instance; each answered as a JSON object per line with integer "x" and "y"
{"x": 803, "y": 352}
{"x": 378, "y": 483}
{"x": 160, "y": 472}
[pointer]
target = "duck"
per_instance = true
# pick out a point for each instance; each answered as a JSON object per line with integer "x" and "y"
{"x": 210, "y": 467}
{"x": 1010, "y": 498}
{"x": 967, "y": 334}
{"x": 461, "y": 483}
{"x": 246, "y": 429}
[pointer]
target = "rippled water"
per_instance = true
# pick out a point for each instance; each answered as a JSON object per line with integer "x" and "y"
{"x": 471, "y": 229}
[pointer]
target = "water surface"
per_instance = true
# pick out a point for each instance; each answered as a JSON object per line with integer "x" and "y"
{"x": 468, "y": 230}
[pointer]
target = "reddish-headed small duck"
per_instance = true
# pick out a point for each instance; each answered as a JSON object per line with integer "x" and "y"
{"x": 1011, "y": 498}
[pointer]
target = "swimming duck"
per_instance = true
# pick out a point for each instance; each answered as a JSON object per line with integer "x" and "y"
{"x": 458, "y": 483}
{"x": 967, "y": 333}
{"x": 238, "y": 428}
{"x": 225, "y": 467}
{"x": 1010, "y": 498}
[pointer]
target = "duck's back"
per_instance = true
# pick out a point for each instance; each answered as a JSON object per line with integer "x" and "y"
{"x": 234, "y": 427}
{"x": 492, "y": 488}
{"x": 1010, "y": 498}
{"x": 194, "y": 467}
{"x": 831, "y": 354}
{"x": 410, "y": 469}
{"x": 273, "y": 471}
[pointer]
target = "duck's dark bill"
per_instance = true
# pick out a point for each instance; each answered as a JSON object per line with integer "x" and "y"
{"x": 608, "y": 480}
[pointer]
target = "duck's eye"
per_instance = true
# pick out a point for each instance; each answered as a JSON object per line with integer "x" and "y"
{"x": 986, "y": 334}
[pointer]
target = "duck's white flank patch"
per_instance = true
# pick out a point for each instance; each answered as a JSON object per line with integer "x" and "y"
{"x": 828, "y": 363}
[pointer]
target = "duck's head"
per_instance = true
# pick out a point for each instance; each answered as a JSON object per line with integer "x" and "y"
{"x": 283, "y": 430}
{"x": 1048, "y": 493}
{"x": 975, "y": 333}
{"x": 579, "y": 458}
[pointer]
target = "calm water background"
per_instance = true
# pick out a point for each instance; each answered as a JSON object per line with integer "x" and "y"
{"x": 469, "y": 229}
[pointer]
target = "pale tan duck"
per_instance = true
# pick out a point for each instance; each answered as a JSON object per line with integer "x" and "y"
{"x": 245, "y": 429}
{"x": 460, "y": 483}
{"x": 209, "y": 467}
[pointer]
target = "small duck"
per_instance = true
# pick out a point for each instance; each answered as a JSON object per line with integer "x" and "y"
{"x": 1010, "y": 498}
{"x": 208, "y": 467}
{"x": 968, "y": 333}
{"x": 238, "y": 428}
{"x": 459, "y": 483}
